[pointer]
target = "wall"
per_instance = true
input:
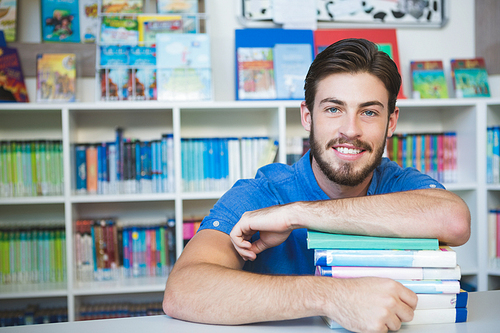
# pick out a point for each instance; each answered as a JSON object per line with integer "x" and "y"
{"x": 455, "y": 39}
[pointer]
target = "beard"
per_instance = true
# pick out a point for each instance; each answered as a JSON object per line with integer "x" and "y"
{"x": 345, "y": 174}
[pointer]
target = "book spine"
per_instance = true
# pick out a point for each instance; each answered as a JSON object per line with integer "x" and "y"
{"x": 386, "y": 258}
{"x": 92, "y": 165}
{"x": 442, "y": 301}
{"x": 405, "y": 273}
{"x": 432, "y": 286}
{"x": 438, "y": 316}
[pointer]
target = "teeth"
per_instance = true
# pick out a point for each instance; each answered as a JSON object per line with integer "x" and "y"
{"x": 351, "y": 151}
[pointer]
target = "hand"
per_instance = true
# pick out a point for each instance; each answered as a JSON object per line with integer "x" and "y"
{"x": 271, "y": 223}
{"x": 371, "y": 304}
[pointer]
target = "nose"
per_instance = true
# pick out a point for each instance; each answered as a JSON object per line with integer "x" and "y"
{"x": 350, "y": 126}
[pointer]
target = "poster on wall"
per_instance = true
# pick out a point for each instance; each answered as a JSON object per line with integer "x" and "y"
{"x": 425, "y": 13}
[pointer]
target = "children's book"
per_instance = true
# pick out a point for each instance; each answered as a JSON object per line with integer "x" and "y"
{"x": 89, "y": 21}
{"x": 150, "y": 25}
{"x": 56, "y": 77}
{"x": 122, "y": 6}
{"x": 444, "y": 257}
{"x": 177, "y": 6}
{"x": 114, "y": 55}
{"x": 291, "y": 63}
{"x": 184, "y": 66}
{"x": 470, "y": 78}
{"x": 12, "y": 85}
{"x": 119, "y": 30}
{"x": 256, "y": 73}
{"x": 399, "y": 273}
{"x": 142, "y": 56}
{"x": 428, "y": 79}
{"x": 428, "y": 316}
{"x": 60, "y": 21}
{"x": 324, "y": 240}
{"x": 8, "y": 19}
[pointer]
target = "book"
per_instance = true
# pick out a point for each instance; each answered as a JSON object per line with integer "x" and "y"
{"x": 60, "y": 21}
{"x": 177, "y": 6}
{"x": 420, "y": 317}
{"x": 398, "y": 273}
{"x": 291, "y": 63}
{"x": 56, "y": 77}
{"x": 151, "y": 25}
{"x": 8, "y": 19}
{"x": 119, "y": 30}
{"x": 122, "y": 6}
{"x": 89, "y": 20}
{"x": 443, "y": 301}
{"x": 470, "y": 78}
{"x": 324, "y": 240}
{"x": 428, "y": 79}
{"x": 12, "y": 84}
{"x": 184, "y": 67}
{"x": 444, "y": 257}
{"x": 255, "y": 73}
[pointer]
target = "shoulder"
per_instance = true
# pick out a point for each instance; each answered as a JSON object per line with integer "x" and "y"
{"x": 390, "y": 177}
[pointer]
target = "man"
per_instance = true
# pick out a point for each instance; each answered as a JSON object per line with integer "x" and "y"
{"x": 263, "y": 271}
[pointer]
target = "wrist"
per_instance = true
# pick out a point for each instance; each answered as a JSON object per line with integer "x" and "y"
{"x": 297, "y": 215}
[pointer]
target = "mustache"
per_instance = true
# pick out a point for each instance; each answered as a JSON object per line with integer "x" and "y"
{"x": 356, "y": 143}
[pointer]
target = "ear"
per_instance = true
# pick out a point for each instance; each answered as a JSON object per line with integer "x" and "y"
{"x": 305, "y": 116}
{"x": 393, "y": 121}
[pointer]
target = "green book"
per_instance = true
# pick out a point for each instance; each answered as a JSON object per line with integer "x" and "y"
{"x": 323, "y": 240}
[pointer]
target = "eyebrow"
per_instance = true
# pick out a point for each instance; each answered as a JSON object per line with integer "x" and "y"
{"x": 340, "y": 102}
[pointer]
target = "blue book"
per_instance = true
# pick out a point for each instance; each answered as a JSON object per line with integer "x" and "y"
{"x": 291, "y": 63}
{"x": 114, "y": 55}
{"x": 489, "y": 155}
{"x": 496, "y": 154}
{"x": 81, "y": 168}
{"x": 444, "y": 257}
{"x": 60, "y": 21}
{"x": 142, "y": 56}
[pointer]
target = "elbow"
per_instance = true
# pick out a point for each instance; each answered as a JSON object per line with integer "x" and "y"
{"x": 171, "y": 304}
{"x": 459, "y": 228}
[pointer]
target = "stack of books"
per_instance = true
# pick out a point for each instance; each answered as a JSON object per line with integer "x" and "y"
{"x": 429, "y": 270}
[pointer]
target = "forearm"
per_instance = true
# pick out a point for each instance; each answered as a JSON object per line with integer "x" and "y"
{"x": 421, "y": 213}
{"x": 215, "y": 294}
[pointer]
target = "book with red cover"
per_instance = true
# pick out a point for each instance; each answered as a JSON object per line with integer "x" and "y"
{"x": 12, "y": 86}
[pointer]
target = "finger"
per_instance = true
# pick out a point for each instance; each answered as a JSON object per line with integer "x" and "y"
{"x": 393, "y": 323}
{"x": 405, "y": 313}
{"x": 258, "y": 246}
{"x": 409, "y": 298}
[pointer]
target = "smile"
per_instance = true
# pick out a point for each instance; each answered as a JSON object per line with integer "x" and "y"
{"x": 348, "y": 151}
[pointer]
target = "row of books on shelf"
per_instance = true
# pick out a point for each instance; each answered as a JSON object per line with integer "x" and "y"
{"x": 33, "y": 314}
{"x": 493, "y": 155}
{"x": 434, "y": 154}
{"x": 106, "y": 250}
{"x": 32, "y": 254}
{"x": 31, "y": 168}
{"x": 125, "y": 166}
{"x": 214, "y": 164}
{"x": 429, "y": 270}
{"x": 119, "y": 310}
{"x": 494, "y": 238}
{"x": 82, "y": 20}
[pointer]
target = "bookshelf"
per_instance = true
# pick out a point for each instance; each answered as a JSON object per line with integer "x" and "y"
{"x": 82, "y": 122}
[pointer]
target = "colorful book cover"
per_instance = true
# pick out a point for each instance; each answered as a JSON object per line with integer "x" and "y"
{"x": 177, "y": 6}
{"x": 119, "y": 30}
{"x": 428, "y": 79}
{"x": 122, "y": 6}
{"x": 114, "y": 55}
{"x": 291, "y": 63}
{"x": 470, "y": 78}
{"x": 56, "y": 77}
{"x": 444, "y": 257}
{"x": 142, "y": 56}
{"x": 89, "y": 20}
{"x": 8, "y": 19}
{"x": 12, "y": 85}
{"x": 324, "y": 240}
{"x": 151, "y": 25}
{"x": 184, "y": 67}
{"x": 60, "y": 21}
{"x": 255, "y": 73}
{"x": 398, "y": 273}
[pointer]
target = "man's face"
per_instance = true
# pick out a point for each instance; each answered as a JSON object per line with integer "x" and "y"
{"x": 348, "y": 127}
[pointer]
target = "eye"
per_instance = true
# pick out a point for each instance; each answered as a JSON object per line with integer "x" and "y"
{"x": 370, "y": 113}
{"x": 333, "y": 110}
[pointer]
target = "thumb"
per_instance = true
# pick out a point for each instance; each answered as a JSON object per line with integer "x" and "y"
{"x": 258, "y": 246}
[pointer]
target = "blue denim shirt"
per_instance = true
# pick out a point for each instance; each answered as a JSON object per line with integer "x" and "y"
{"x": 278, "y": 184}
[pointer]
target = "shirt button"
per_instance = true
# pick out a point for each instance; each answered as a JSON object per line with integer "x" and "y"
{"x": 216, "y": 224}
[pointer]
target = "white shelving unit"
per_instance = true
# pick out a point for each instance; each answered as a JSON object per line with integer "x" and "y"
{"x": 94, "y": 122}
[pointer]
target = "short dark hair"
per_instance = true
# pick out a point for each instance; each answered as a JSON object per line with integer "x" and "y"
{"x": 353, "y": 55}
